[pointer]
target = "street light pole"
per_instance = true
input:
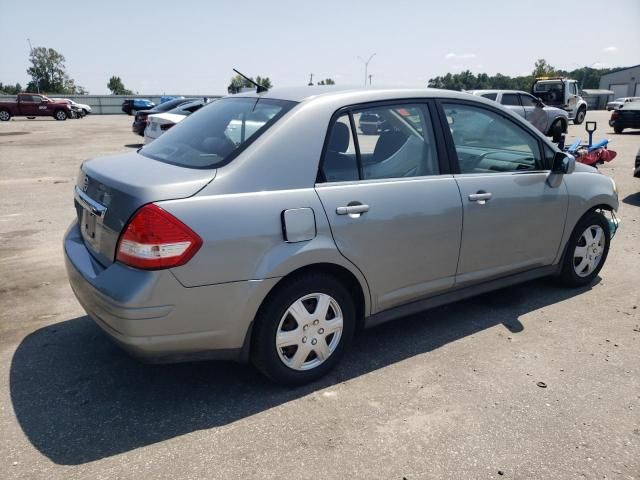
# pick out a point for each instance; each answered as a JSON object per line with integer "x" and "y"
{"x": 366, "y": 66}
{"x": 31, "y": 52}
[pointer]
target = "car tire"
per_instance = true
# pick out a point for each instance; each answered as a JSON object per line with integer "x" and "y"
{"x": 580, "y": 116}
{"x": 60, "y": 115}
{"x": 586, "y": 250}
{"x": 556, "y": 130}
{"x": 618, "y": 129}
{"x": 292, "y": 307}
{"x": 5, "y": 115}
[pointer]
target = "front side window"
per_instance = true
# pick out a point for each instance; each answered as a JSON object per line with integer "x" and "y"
{"x": 510, "y": 99}
{"x": 486, "y": 142}
{"x": 528, "y": 101}
{"x": 217, "y": 133}
{"x": 393, "y": 141}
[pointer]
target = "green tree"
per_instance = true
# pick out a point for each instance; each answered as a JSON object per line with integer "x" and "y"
{"x": 238, "y": 82}
{"x": 117, "y": 87}
{"x": 10, "y": 89}
{"x": 542, "y": 69}
{"x": 48, "y": 73}
{"x": 326, "y": 81}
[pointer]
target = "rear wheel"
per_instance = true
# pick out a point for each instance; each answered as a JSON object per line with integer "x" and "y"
{"x": 5, "y": 116}
{"x": 587, "y": 250}
{"x": 582, "y": 112}
{"x": 618, "y": 129}
{"x": 303, "y": 329}
{"x": 60, "y": 115}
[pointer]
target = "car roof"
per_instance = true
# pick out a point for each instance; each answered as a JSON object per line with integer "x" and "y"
{"x": 349, "y": 94}
{"x": 496, "y": 90}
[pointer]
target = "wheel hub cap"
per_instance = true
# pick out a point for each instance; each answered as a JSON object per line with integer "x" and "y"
{"x": 309, "y": 331}
{"x": 588, "y": 252}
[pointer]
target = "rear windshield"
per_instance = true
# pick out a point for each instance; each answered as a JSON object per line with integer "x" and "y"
{"x": 166, "y": 106}
{"x": 217, "y": 133}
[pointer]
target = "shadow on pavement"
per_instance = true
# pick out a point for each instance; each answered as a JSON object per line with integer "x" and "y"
{"x": 134, "y": 145}
{"x": 79, "y": 398}
{"x": 633, "y": 199}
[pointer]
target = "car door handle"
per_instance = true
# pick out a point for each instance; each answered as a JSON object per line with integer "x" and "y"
{"x": 352, "y": 209}
{"x": 480, "y": 197}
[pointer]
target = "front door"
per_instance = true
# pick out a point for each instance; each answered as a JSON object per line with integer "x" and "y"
{"x": 513, "y": 220}
{"x": 394, "y": 210}
{"x": 534, "y": 113}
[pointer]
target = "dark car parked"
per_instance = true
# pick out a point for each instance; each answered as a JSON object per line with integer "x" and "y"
{"x": 132, "y": 105}
{"x": 636, "y": 170}
{"x": 626, "y": 117}
{"x": 140, "y": 122}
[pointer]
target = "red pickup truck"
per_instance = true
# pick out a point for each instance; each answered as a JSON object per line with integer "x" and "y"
{"x": 34, "y": 105}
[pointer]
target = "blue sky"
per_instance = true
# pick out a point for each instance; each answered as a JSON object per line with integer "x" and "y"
{"x": 191, "y": 46}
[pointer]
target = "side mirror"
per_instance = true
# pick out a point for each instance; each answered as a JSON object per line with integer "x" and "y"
{"x": 563, "y": 163}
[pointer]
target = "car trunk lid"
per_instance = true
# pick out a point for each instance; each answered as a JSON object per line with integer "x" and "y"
{"x": 110, "y": 189}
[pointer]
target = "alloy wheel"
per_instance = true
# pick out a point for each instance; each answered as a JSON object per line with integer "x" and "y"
{"x": 4, "y": 116}
{"x": 309, "y": 331}
{"x": 589, "y": 249}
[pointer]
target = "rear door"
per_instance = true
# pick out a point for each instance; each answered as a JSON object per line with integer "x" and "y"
{"x": 394, "y": 208}
{"x": 512, "y": 102}
{"x": 534, "y": 113}
{"x": 513, "y": 220}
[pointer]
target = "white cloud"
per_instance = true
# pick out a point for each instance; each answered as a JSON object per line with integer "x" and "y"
{"x": 457, "y": 56}
{"x": 610, "y": 49}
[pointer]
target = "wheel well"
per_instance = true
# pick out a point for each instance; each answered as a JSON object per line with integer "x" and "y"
{"x": 347, "y": 278}
{"x": 602, "y": 206}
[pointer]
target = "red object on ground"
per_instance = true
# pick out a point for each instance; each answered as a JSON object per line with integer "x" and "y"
{"x": 600, "y": 155}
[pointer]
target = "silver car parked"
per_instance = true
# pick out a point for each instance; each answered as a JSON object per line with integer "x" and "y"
{"x": 551, "y": 121}
{"x": 268, "y": 227}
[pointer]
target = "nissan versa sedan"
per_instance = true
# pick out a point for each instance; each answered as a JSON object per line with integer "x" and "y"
{"x": 267, "y": 227}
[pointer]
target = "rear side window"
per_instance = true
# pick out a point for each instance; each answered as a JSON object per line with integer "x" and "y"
{"x": 490, "y": 96}
{"x": 510, "y": 99}
{"x": 392, "y": 141}
{"x": 217, "y": 133}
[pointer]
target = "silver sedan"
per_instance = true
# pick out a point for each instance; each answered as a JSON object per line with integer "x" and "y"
{"x": 269, "y": 227}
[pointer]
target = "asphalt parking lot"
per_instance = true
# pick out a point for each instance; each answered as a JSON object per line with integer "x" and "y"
{"x": 450, "y": 393}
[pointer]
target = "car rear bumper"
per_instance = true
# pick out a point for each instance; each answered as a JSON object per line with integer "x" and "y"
{"x": 154, "y": 317}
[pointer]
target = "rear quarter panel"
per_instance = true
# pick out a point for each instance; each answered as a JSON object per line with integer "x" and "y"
{"x": 243, "y": 237}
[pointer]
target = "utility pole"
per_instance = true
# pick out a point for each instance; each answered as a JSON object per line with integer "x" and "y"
{"x": 370, "y": 79}
{"x": 366, "y": 67}
{"x": 311, "y": 80}
{"x": 31, "y": 52}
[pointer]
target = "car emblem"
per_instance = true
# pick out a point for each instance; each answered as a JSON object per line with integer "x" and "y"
{"x": 85, "y": 183}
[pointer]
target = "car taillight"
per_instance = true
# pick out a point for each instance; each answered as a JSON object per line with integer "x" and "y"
{"x": 615, "y": 115}
{"x": 155, "y": 239}
{"x": 166, "y": 126}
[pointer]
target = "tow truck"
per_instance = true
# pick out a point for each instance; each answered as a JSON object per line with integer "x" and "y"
{"x": 563, "y": 93}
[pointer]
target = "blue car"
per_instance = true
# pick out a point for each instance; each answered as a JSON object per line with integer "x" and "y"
{"x": 130, "y": 106}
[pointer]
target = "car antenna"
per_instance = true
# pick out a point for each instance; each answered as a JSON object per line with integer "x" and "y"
{"x": 259, "y": 88}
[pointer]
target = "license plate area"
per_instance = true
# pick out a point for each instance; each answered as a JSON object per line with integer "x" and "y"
{"x": 89, "y": 228}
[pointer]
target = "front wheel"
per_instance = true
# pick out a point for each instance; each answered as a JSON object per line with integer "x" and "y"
{"x": 580, "y": 116}
{"x": 618, "y": 129}
{"x": 556, "y": 130}
{"x": 303, "y": 329}
{"x": 587, "y": 250}
{"x": 61, "y": 115}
